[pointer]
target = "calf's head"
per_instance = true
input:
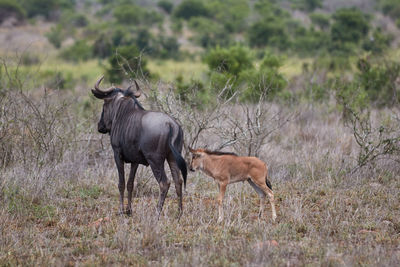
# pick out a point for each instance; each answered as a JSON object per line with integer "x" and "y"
{"x": 110, "y": 96}
{"x": 197, "y": 159}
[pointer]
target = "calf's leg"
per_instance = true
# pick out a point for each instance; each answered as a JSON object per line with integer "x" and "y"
{"x": 222, "y": 189}
{"x": 261, "y": 194}
{"x": 262, "y": 185}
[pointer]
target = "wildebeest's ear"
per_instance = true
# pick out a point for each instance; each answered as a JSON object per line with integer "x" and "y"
{"x": 138, "y": 92}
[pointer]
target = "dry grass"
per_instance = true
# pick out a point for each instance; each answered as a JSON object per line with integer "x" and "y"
{"x": 65, "y": 213}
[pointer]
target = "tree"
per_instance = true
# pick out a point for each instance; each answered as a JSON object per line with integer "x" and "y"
{"x": 271, "y": 33}
{"x": 350, "y": 26}
{"x": 232, "y": 60}
{"x": 126, "y": 63}
{"x": 191, "y": 8}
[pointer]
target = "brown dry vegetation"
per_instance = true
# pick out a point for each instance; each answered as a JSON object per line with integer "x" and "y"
{"x": 59, "y": 196}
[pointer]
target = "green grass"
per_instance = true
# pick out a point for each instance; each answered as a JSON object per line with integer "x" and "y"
{"x": 169, "y": 70}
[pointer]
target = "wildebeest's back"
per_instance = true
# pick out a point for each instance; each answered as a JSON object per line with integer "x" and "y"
{"x": 155, "y": 131}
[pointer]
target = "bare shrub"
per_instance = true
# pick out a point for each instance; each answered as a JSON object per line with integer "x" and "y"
{"x": 380, "y": 141}
{"x": 194, "y": 120}
{"x": 248, "y": 125}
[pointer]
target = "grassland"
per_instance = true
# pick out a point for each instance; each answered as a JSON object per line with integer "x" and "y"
{"x": 65, "y": 213}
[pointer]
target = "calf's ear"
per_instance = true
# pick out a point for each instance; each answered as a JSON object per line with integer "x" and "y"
{"x": 191, "y": 150}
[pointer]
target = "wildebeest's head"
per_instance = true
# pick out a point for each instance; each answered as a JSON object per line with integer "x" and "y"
{"x": 197, "y": 158}
{"x": 109, "y": 96}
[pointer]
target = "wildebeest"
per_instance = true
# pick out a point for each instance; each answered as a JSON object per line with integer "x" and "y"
{"x": 227, "y": 168}
{"x": 141, "y": 137}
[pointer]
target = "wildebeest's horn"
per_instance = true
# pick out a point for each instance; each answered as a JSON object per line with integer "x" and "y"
{"x": 138, "y": 91}
{"x": 96, "y": 87}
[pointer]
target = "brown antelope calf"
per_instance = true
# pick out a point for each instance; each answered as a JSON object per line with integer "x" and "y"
{"x": 227, "y": 168}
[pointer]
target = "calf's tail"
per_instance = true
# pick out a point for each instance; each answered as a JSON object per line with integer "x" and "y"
{"x": 268, "y": 182}
{"x": 180, "y": 161}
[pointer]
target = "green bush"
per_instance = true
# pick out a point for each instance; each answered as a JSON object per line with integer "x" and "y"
{"x": 378, "y": 42}
{"x": 307, "y": 5}
{"x": 209, "y": 33}
{"x": 131, "y": 14}
{"x": 350, "y": 25}
{"x": 191, "y": 8}
{"x": 47, "y": 8}
{"x": 102, "y": 46}
{"x": 120, "y": 36}
{"x": 56, "y": 79}
{"x": 349, "y": 95}
{"x": 127, "y": 14}
{"x": 268, "y": 33}
{"x": 321, "y": 20}
{"x": 71, "y": 18}
{"x": 193, "y": 93}
{"x": 232, "y": 60}
{"x": 231, "y": 14}
{"x": 11, "y": 8}
{"x": 80, "y": 51}
{"x": 168, "y": 47}
{"x": 378, "y": 80}
{"x": 165, "y": 5}
{"x": 265, "y": 82}
{"x": 226, "y": 81}
{"x": 55, "y": 35}
{"x": 310, "y": 42}
{"x": 126, "y": 63}
{"x": 391, "y": 8}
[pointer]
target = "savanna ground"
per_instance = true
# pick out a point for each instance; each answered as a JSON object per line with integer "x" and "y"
{"x": 60, "y": 199}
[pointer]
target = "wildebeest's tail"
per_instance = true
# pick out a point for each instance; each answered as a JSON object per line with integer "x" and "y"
{"x": 180, "y": 161}
{"x": 268, "y": 182}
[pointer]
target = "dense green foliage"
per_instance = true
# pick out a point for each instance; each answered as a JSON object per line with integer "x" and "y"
{"x": 232, "y": 37}
{"x": 191, "y": 8}
{"x": 350, "y": 26}
{"x": 11, "y": 8}
{"x": 47, "y": 8}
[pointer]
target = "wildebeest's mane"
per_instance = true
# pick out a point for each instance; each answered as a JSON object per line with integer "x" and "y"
{"x": 219, "y": 153}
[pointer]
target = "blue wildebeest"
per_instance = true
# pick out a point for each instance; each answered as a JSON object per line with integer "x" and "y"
{"x": 141, "y": 137}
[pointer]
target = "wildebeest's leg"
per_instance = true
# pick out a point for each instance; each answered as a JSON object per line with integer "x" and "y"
{"x": 178, "y": 182}
{"x": 129, "y": 186}
{"x": 222, "y": 189}
{"x": 163, "y": 182}
{"x": 261, "y": 194}
{"x": 261, "y": 184}
{"x": 121, "y": 181}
